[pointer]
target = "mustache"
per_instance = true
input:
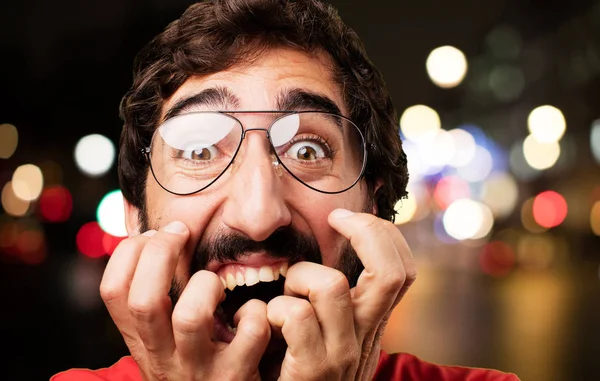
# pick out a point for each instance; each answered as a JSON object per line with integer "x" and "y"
{"x": 283, "y": 243}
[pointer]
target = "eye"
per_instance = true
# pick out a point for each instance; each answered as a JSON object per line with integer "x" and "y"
{"x": 306, "y": 151}
{"x": 200, "y": 154}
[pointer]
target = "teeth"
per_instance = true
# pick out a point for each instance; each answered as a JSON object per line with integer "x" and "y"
{"x": 265, "y": 274}
{"x": 239, "y": 277}
{"x": 231, "y": 282}
{"x": 250, "y": 276}
{"x": 283, "y": 269}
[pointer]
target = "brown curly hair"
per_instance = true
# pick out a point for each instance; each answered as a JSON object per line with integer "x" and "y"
{"x": 213, "y": 36}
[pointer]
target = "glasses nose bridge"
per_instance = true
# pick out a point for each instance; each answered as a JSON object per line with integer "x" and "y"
{"x": 266, "y": 130}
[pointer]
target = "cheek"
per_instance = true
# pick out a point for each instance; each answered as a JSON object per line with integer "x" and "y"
{"x": 195, "y": 211}
{"x": 315, "y": 218}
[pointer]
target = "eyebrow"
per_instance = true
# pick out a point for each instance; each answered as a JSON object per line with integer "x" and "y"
{"x": 219, "y": 97}
{"x": 299, "y": 99}
{"x": 295, "y": 99}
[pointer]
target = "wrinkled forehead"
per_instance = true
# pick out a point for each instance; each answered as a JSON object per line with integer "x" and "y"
{"x": 281, "y": 79}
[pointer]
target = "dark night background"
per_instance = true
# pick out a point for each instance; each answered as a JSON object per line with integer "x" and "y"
{"x": 65, "y": 65}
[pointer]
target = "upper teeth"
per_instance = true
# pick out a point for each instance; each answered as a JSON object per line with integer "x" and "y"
{"x": 239, "y": 275}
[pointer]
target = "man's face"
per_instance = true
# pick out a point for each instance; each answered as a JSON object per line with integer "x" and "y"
{"x": 253, "y": 200}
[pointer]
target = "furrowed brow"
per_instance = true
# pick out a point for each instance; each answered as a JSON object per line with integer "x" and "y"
{"x": 218, "y": 97}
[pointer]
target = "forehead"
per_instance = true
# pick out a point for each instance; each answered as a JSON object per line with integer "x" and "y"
{"x": 256, "y": 85}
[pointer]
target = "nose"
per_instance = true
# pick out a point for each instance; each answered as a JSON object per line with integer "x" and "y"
{"x": 255, "y": 205}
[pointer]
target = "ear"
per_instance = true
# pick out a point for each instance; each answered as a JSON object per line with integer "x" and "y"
{"x": 132, "y": 222}
{"x": 374, "y": 208}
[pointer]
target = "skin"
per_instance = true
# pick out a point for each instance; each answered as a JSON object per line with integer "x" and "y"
{"x": 332, "y": 331}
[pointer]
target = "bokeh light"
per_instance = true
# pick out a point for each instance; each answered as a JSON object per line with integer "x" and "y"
{"x": 449, "y": 189}
{"x": 111, "y": 214}
{"x": 595, "y": 218}
{"x": 90, "y": 240}
{"x": 94, "y": 154}
{"x": 12, "y": 204}
{"x": 507, "y": 82}
{"x": 497, "y": 259}
{"x": 500, "y": 193}
{"x": 504, "y": 42}
{"x": 595, "y": 140}
{"x": 405, "y": 209}
{"x": 9, "y": 139}
{"x": 527, "y": 219}
{"x": 467, "y": 219}
{"x": 446, "y": 66}
{"x": 438, "y": 151}
{"x": 540, "y": 155}
{"x": 479, "y": 167}
{"x": 549, "y": 209}
{"x": 55, "y": 204}
{"x": 420, "y": 123}
{"x": 547, "y": 124}
{"x": 464, "y": 147}
{"x": 27, "y": 182}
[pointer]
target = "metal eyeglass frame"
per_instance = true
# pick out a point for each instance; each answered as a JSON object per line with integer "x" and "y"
{"x": 146, "y": 150}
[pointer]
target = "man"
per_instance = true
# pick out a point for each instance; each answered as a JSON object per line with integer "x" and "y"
{"x": 260, "y": 162}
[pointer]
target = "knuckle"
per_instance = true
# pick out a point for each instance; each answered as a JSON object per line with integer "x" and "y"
{"x": 187, "y": 320}
{"x": 301, "y": 311}
{"x": 393, "y": 280}
{"x": 335, "y": 284}
{"x": 146, "y": 309}
{"x": 255, "y": 327}
{"x": 110, "y": 292}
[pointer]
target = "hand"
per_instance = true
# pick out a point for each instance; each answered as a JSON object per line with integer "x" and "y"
{"x": 333, "y": 332}
{"x": 176, "y": 344}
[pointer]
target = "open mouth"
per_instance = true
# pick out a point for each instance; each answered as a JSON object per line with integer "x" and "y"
{"x": 243, "y": 283}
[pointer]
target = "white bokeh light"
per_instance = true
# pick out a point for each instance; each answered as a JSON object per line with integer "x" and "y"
{"x": 94, "y": 154}
{"x": 464, "y": 147}
{"x": 111, "y": 214}
{"x": 547, "y": 124}
{"x": 479, "y": 167}
{"x": 540, "y": 155}
{"x": 467, "y": 219}
{"x": 420, "y": 123}
{"x": 446, "y": 66}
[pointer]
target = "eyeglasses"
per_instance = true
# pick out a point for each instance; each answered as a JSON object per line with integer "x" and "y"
{"x": 324, "y": 151}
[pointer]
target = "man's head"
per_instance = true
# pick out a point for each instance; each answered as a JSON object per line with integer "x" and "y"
{"x": 251, "y": 54}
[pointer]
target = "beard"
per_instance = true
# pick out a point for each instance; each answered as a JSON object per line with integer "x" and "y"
{"x": 285, "y": 243}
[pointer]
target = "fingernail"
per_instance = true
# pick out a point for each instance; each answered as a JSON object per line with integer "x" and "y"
{"x": 149, "y": 233}
{"x": 176, "y": 227}
{"x": 341, "y": 213}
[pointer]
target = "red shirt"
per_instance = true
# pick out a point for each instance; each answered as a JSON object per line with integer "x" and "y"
{"x": 394, "y": 367}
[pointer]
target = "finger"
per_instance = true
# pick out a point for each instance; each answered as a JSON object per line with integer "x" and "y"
{"x": 114, "y": 287}
{"x": 149, "y": 301}
{"x": 328, "y": 291}
{"x": 193, "y": 318}
{"x": 388, "y": 261}
{"x": 251, "y": 338}
{"x": 298, "y": 323}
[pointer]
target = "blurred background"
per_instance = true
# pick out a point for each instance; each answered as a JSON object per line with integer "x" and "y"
{"x": 499, "y": 109}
